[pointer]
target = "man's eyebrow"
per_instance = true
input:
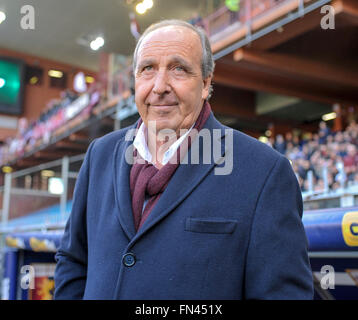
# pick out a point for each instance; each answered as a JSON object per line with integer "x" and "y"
{"x": 145, "y": 62}
{"x": 181, "y": 61}
{"x": 173, "y": 60}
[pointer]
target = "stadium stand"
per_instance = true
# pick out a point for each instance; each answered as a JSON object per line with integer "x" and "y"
{"x": 331, "y": 157}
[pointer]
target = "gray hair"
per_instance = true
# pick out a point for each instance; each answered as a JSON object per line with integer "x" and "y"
{"x": 207, "y": 60}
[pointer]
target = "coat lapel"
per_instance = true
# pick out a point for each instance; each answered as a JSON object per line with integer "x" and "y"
{"x": 123, "y": 199}
{"x": 184, "y": 180}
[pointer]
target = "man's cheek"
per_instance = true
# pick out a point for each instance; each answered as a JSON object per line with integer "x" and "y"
{"x": 142, "y": 92}
{"x": 140, "y": 96}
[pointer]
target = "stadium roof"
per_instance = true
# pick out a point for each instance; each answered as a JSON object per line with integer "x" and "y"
{"x": 60, "y": 24}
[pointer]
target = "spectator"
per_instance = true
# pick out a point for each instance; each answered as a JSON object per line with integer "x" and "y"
{"x": 350, "y": 162}
{"x": 280, "y": 144}
{"x": 323, "y": 132}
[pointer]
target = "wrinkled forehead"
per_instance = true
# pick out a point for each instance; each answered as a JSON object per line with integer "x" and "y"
{"x": 172, "y": 39}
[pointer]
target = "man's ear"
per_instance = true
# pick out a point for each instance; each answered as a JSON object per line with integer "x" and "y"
{"x": 206, "y": 87}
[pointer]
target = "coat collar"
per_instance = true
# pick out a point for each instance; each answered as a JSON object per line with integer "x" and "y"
{"x": 185, "y": 179}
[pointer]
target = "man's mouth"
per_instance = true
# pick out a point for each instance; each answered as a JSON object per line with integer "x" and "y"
{"x": 170, "y": 104}
{"x": 163, "y": 107}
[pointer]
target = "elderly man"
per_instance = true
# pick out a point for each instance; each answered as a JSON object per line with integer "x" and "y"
{"x": 154, "y": 225}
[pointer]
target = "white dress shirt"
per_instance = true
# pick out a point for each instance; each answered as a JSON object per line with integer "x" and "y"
{"x": 141, "y": 145}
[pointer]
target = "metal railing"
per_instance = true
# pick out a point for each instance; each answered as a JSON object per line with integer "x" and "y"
{"x": 322, "y": 196}
{"x": 65, "y": 174}
{"x": 248, "y": 10}
{"x": 246, "y": 17}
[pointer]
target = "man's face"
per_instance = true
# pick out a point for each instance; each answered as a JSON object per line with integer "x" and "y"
{"x": 169, "y": 86}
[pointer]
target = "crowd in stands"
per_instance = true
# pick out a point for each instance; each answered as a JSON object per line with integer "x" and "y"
{"x": 55, "y": 115}
{"x": 332, "y": 157}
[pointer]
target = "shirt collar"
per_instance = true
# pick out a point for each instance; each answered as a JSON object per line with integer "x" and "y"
{"x": 141, "y": 145}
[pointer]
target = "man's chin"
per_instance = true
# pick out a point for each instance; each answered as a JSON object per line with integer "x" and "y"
{"x": 160, "y": 125}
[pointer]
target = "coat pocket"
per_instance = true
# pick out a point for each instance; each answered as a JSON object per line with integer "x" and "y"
{"x": 210, "y": 225}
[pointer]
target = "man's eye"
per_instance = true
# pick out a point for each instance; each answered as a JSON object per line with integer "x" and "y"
{"x": 147, "y": 68}
{"x": 179, "y": 69}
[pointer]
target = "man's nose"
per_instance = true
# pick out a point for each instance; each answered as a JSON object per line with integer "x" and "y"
{"x": 161, "y": 84}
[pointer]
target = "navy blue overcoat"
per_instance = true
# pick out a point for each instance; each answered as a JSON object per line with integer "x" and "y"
{"x": 210, "y": 236}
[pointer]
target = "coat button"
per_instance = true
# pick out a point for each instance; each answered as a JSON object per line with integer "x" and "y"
{"x": 129, "y": 259}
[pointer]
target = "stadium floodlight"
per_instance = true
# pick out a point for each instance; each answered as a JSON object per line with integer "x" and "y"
{"x": 55, "y": 185}
{"x": 2, "y": 82}
{"x": 97, "y": 43}
{"x": 263, "y": 139}
{"x": 55, "y": 73}
{"x": 2, "y": 16}
{"x": 89, "y": 79}
{"x": 329, "y": 116}
{"x": 141, "y": 8}
{"x": 48, "y": 173}
{"x": 6, "y": 169}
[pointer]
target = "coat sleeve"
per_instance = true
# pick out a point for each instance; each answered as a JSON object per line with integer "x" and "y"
{"x": 277, "y": 264}
{"x": 71, "y": 257}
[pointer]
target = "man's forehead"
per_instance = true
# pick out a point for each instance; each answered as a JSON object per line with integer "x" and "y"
{"x": 171, "y": 36}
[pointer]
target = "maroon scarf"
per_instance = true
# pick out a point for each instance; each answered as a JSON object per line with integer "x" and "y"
{"x": 145, "y": 178}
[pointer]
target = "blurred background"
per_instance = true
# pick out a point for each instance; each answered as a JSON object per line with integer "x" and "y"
{"x": 286, "y": 74}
